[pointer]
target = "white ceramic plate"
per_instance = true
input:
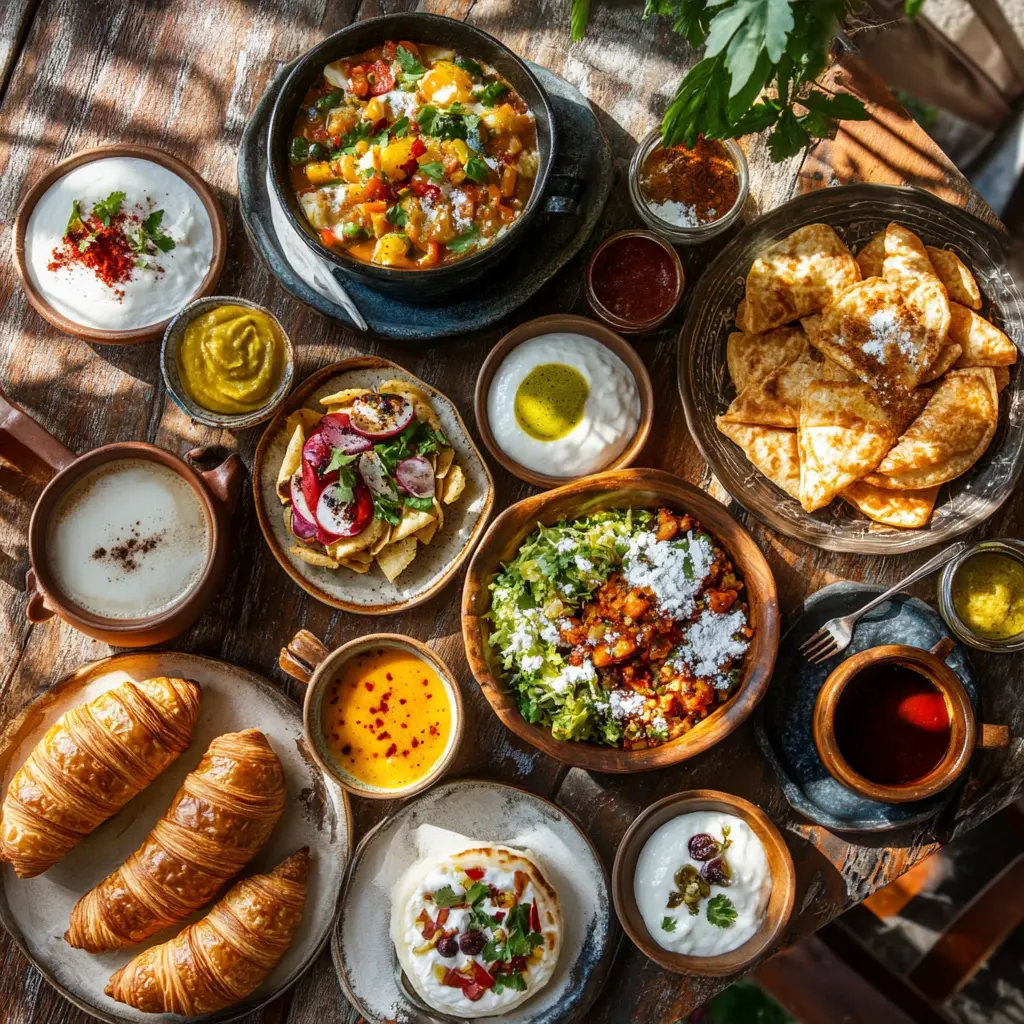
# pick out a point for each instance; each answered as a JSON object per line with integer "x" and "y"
{"x": 485, "y": 811}
{"x": 36, "y": 910}
{"x": 435, "y": 564}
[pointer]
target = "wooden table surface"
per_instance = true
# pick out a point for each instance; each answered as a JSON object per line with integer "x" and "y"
{"x": 184, "y": 75}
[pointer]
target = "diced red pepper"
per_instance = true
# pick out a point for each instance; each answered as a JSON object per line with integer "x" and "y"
{"x": 390, "y": 49}
{"x": 357, "y": 82}
{"x": 328, "y": 237}
{"x": 409, "y": 168}
{"x": 318, "y": 134}
{"x": 473, "y": 991}
{"x": 455, "y": 980}
{"x": 418, "y": 148}
{"x": 481, "y": 975}
{"x": 380, "y": 77}
{"x": 499, "y": 916}
{"x": 425, "y": 190}
{"x": 475, "y": 873}
{"x": 442, "y": 917}
{"x": 534, "y": 917}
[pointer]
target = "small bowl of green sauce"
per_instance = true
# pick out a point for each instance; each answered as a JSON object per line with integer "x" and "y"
{"x": 981, "y": 595}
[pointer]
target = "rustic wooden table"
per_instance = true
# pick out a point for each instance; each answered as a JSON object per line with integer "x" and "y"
{"x": 184, "y": 75}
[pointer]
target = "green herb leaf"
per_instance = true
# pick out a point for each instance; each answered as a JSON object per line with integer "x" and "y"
{"x": 418, "y": 504}
{"x": 493, "y": 92}
{"x": 362, "y": 130}
{"x": 481, "y": 919}
{"x": 476, "y": 892}
{"x": 720, "y": 911}
{"x": 441, "y": 125}
{"x": 339, "y": 458}
{"x": 431, "y": 441}
{"x": 298, "y": 151}
{"x": 330, "y": 100}
{"x": 495, "y": 951}
{"x": 579, "y": 18}
{"x": 476, "y": 169}
{"x": 387, "y": 508}
{"x": 788, "y": 137}
{"x": 433, "y": 170}
{"x": 447, "y": 897}
{"x": 107, "y": 209}
{"x": 513, "y": 982}
{"x": 75, "y": 223}
{"x": 397, "y": 216}
{"x": 400, "y": 128}
{"x": 155, "y": 233}
{"x": 86, "y": 240}
{"x": 464, "y": 242}
{"x": 408, "y": 62}
{"x": 426, "y": 117}
{"x": 470, "y": 66}
{"x": 840, "y": 106}
{"x": 912, "y": 7}
{"x": 668, "y": 924}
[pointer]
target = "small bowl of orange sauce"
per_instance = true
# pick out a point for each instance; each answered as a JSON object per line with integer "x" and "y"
{"x": 383, "y": 716}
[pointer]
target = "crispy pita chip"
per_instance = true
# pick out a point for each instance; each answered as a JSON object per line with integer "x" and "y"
{"x": 948, "y": 437}
{"x": 396, "y": 558}
{"x": 344, "y": 397}
{"x": 426, "y": 535}
{"x": 741, "y": 315}
{"x": 307, "y": 418}
{"x": 872, "y": 332}
{"x": 872, "y": 256}
{"x": 753, "y": 356}
{"x": 771, "y": 450}
{"x": 774, "y": 401}
{"x": 349, "y": 546}
{"x": 454, "y": 485}
{"x": 801, "y": 274}
{"x": 955, "y": 275}
{"x": 1002, "y": 376}
{"x": 411, "y": 522}
{"x": 382, "y": 541}
{"x": 906, "y": 509}
{"x": 909, "y": 268}
{"x": 439, "y": 511}
{"x": 948, "y": 355}
{"x": 983, "y": 343}
{"x": 844, "y": 432}
{"x": 356, "y": 566}
{"x": 419, "y": 398}
{"x": 445, "y": 457}
{"x": 291, "y": 463}
{"x": 311, "y": 557}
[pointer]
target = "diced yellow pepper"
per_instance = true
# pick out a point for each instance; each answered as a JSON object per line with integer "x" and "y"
{"x": 320, "y": 173}
{"x": 461, "y": 150}
{"x": 362, "y": 146}
{"x": 508, "y": 182}
{"x": 346, "y": 167}
{"x": 391, "y": 250}
{"x": 431, "y": 156}
{"x": 457, "y": 177}
{"x": 375, "y": 110}
{"x": 395, "y": 155}
{"x": 341, "y": 120}
{"x": 381, "y": 224}
{"x": 502, "y": 119}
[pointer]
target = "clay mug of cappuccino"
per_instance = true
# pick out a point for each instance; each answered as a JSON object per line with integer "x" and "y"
{"x": 127, "y": 543}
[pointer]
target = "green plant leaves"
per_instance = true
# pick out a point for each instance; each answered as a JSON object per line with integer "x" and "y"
{"x": 578, "y": 19}
{"x": 745, "y": 31}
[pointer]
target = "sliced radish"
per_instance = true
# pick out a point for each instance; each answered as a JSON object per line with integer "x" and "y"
{"x": 415, "y": 476}
{"x": 379, "y": 416}
{"x": 304, "y": 529}
{"x": 335, "y": 427}
{"x": 299, "y": 501}
{"x": 374, "y": 475}
{"x": 317, "y": 451}
{"x": 339, "y": 518}
{"x": 311, "y": 486}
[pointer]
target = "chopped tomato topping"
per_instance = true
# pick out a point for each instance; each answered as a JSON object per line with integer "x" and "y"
{"x": 481, "y": 975}
{"x": 357, "y": 82}
{"x": 442, "y": 916}
{"x": 418, "y": 148}
{"x": 327, "y": 237}
{"x": 473, "y": 991}
{"x": 318, "y": 134}
{"x": 475, "y": 873}
{"x": 380, "y": 77}
{"x": 470, "y": 989}
{"x": 390, "y": 49}
{"x": 534, "y": 917}
{"x": 425, "y": 190}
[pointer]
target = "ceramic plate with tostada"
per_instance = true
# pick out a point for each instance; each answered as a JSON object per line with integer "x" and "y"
{"x": 369, "y": 489}
{"x": 851, "y": 378}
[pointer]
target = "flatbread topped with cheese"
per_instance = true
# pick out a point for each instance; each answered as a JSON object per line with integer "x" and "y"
{"x": 753, "y": 356}
{"x": 799, "y": 275}
{"x": 771, "y": 450}
{"x": 476, "y": 932}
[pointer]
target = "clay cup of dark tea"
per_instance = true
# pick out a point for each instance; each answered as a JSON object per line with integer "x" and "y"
{"x": 895, "y": 724}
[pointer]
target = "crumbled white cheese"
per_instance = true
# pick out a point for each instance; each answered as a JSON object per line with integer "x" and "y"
{"x": 532, "y": 662}
{"x": 567, "y": 589}
{"x": 672, "y": 570}
{"x": 626, "y": 703}
{"x": 709, "y": 644}
{"x": 530, "y": 625}
{"x": 565, "y": 545}
{"x": 680, "y": 214}
{"x": 573, "y": 674}
{"x": 583, "y": 564}
{"x": 658, "y": 727}
{"x": 458, "y": 199}
{"x": 401, "y": 102}
{"x": 888, "y": 333}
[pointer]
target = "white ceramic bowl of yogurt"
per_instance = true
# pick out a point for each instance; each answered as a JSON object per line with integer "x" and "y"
{"x": 562, "y": 397}
{"x": 144, "y": 277}
{"x": 703, "y": 883}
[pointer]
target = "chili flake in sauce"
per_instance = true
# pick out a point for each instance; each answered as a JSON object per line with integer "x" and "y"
{"x": 635, "y": 279}
{"x": 688, "y": 187}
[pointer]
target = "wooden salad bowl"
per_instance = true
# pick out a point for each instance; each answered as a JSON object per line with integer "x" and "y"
{"x": 624, "y": 488}
{"x": 780, "y": 866}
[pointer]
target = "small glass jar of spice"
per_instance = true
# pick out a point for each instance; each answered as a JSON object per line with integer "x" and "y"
{"x": 688, "y": 194}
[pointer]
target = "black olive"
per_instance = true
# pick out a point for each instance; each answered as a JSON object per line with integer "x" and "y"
{"x": 448, "y": 946}
{"x": 472, "y": 943}
{"x": 703, "y": 847}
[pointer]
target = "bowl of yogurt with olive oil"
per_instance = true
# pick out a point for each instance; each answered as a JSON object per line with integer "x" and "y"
{"x": 563, "y": 397}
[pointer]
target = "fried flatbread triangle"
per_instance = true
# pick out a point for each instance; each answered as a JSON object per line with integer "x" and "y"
{"x": 772, "y": 451}
{"x": 906, "y": 509}
{"x": 956, "y": 276}
{"x": 844, "y": 433}
{"x": 983, "y": 343}
{"x": 753, "y": 356}
{"x": 774, "y": 401}
{"x": 948, "y": 355}
{"x": 872, "y": 256}
{"x": 798, "y": 275}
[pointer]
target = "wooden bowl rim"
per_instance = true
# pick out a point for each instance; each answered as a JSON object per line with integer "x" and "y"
{"x": 332, "y": 664}
{"x": 780, "y": 861}
{"x": 600, "y": 332}
{"x": 218, "y": 227}
{"x": 296, "y": 400}
{"x": 746, "y": 556}
{"x": 962, "y": 731}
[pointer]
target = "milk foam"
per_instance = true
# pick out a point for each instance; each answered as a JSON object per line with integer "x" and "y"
{"x": 128, "y": 540}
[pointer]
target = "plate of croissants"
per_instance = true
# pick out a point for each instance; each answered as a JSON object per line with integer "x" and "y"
{"x": 168, "y": 845}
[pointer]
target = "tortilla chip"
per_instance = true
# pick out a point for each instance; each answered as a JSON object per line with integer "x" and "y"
{"x": 948, "y": 437}
{"x": 774, "y": 401}
{"x": 349, "y": 546}
{"x": 871, "y": 331}
{"x": 344, "y": 397}
{"x": 356, "y": 566}
{"x": 307, "y": 418}
{"x": 955, "y": 275}
{"x": 906, "y": 509}
{"x": 426, "y": 535}
{"x": 382, "y": 541}
{"x": 445, "y": 457}
{"x": 312, "y": 557}
{"x": 1002, "y": 376}
{"x": 753, "y": 356}
{"x": 844, "y": 432}
{"x": 454, "y": 485}
{"x": 799, "y": 275}
{"x": 872, "y": 256}
{"x": 291, "y": 463}
{"x": 396, "y": 558}
{"x": 410, "y": 523}
{"x": 439, "y": 511}
{"x": 983, "y": 343}
{"x": 948, "y": 355}
{"x": 772, "y": 451}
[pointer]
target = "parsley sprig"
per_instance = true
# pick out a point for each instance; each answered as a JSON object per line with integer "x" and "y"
{"x": 720, "y": 911}
{"x": 150, "y": 239}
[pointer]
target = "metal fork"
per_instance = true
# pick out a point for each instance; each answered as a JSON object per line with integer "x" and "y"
{"x": 836, "y": 634}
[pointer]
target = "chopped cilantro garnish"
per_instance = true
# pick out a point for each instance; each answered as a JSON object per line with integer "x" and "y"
{"x": 514, "y": 982}
{"x": 400, "y": 128}
{"x": 470, "y": 66}
{"x": 494, "y": 91}
{"x": 464, "y": 242}
{"x": 668, "y": 924}
{"x": 476, "y": 169}
{"x": 476, "y": 892}
{"x": 433, "y": 170}
{"x": 107, "y": 209}
{"x": 447, "y": 897}
{"x": 720, "y": 911}
{"x": 407, "y": 61}
{"x": 441, "y": 125}
{"x": 397, "y": 216}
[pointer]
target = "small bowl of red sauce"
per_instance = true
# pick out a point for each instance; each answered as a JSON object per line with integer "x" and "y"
{"x": 689, "y": 194}
{"x": 635, "y": 280}
{"x": 895, "y": 723}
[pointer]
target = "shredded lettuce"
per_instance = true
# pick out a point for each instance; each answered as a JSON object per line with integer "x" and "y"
{"x": 555, "y": 571}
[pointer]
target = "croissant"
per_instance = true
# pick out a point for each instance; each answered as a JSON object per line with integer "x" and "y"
{"x": 220, "y": 817}
{"x": 90, "y": 763}
{"x": 223, "y": 957}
